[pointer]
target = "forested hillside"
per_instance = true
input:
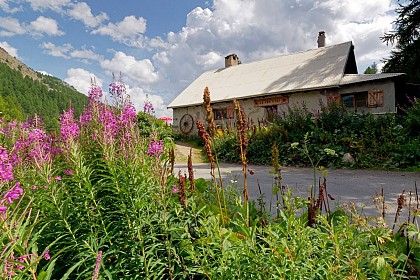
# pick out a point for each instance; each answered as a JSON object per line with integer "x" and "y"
{"x": 23, "y": 96}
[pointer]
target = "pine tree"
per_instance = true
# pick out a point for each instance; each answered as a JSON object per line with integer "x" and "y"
{"x": 405, "y": 58}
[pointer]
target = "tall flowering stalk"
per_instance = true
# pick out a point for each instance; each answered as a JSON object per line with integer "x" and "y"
{"x": 155, "y": 148}
{"x": 118, "y": 91}
{"x": 182, "y": 180}
{"x": 148, "y": 106}
{"x": 191, "y": 172}
{"x": 203, "y": 134}
{"x": 34, "y": 145}
{"x": 6, "y": 167}
{"x": 69, "y": 128}
{"x": 209, "y": 112}
{"x": 241, "y": 128}
{"x": 94, "y": 103}
{"x": 97, "y": 266}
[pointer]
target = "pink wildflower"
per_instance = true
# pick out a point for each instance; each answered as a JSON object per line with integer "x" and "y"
{"x": 97, "y": 266}
{"x": 5, "y": 167}
{"x": 155, "y": 148}
{"x": 68, "y": 172}
{"x": 47, "y": 254}
{"x": 148, "y": 107}
{"x": 95, "y": 92}
{"x": 175, "y": 189}
{"x": 69, "y": 129}
{"x": 14, "y": 193}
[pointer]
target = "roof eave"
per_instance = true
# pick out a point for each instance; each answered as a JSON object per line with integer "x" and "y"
{"x": 259, "y": 95}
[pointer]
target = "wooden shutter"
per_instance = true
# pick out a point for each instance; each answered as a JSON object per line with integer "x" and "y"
{"x": 333, "y": 99}
{"x": 375, "y": 98}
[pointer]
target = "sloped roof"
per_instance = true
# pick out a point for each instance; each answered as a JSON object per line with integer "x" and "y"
{"x": 313, "y": 69}
{"x": 359, "y": 78}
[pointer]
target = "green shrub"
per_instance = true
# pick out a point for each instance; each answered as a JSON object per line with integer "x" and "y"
{"x": 385, "y": 141}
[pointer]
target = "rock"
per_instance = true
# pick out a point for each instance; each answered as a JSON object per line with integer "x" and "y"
{"x": 347, "y": 158}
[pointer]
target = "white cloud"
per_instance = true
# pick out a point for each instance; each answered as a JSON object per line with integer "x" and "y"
{"x": 81, "y": 11}
{"x": 256, "y": 30}
{"x": 10, "y": 27}
{"x": 129, "y": 31}
{"x": 43, "y": 25}
{"x": 11, "y": 50}
{"x": 138, "y": 97}
{"x": 4, "y": 5}
{"x": 55, "y": 5}
{"x": 57, "y": 51}
{"x": 86, "y": 54}
{"x": 44, "y": 73}
{"x": 80, "y": 79}
{"x": 137, "y": 71}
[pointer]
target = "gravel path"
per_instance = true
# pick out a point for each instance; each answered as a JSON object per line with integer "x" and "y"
{"x": 348, "y": 186}
{"x": 182, "y": 150}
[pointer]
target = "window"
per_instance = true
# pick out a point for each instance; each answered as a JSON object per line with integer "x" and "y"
{"x": 356, "y": 100}
{"x": 223, "y": 113}
{"x": 220, "y": 114}
{"x": 271, "y": 112}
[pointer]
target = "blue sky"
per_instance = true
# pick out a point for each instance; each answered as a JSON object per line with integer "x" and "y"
{"x": 161, "y": 46}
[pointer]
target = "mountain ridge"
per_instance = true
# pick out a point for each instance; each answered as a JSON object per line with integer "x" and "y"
{"x": 25, "y": 93}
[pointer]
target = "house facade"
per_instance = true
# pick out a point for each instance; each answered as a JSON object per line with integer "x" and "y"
{"x": 267, "y": 87}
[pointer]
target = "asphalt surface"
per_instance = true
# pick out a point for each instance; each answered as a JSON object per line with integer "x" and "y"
{"x": 346, "y": 186}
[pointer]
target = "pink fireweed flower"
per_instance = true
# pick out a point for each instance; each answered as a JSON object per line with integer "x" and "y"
{"x": 68, "y": 172}
{"x": 148, "y": 107}
{"x": 69, "y": 129}
{"x": 3, "y": 209}
{"x": 110, "y": 126}
{"x": 94, "y": 93}
{"x": 86, "y": 118}
{"x": 58, "y": 178}
{"x": 9, "y": 128}
{"x": 155, "y": 148}
{"x": 97, "y": 266}
{"x": 47, "y": 254}
{"x": 128, "y": 115}
{"x": 6, "y": 167}
{"x": 39, "y": 144}
{"x": 175, "y": 189}
{"x": 14, "y": 193}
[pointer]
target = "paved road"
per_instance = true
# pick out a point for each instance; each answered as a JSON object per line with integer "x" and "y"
{"x": 347, "y": 186}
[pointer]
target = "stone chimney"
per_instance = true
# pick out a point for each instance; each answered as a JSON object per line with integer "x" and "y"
{"x": 231, "y": 60}
{"x": 321, "y": 39}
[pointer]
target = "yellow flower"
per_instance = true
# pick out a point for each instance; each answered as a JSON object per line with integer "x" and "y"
{"x": 330, "y": 152}
{"x": 294, "y": 145}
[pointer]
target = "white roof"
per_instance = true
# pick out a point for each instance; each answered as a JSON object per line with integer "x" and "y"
{"x": 313, "y": 69}
{"x": 358, "y": 78}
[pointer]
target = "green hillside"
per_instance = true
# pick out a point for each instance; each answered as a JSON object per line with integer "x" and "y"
{"x": 25, "y": 93}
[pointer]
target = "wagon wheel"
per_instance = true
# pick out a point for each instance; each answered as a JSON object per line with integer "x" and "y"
{"x": 186, "y": 123}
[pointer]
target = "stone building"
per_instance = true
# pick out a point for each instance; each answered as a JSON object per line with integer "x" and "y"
{"x": 266, "y": 87}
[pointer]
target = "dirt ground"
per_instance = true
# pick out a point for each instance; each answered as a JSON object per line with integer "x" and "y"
{"x": 182, "y": 150}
